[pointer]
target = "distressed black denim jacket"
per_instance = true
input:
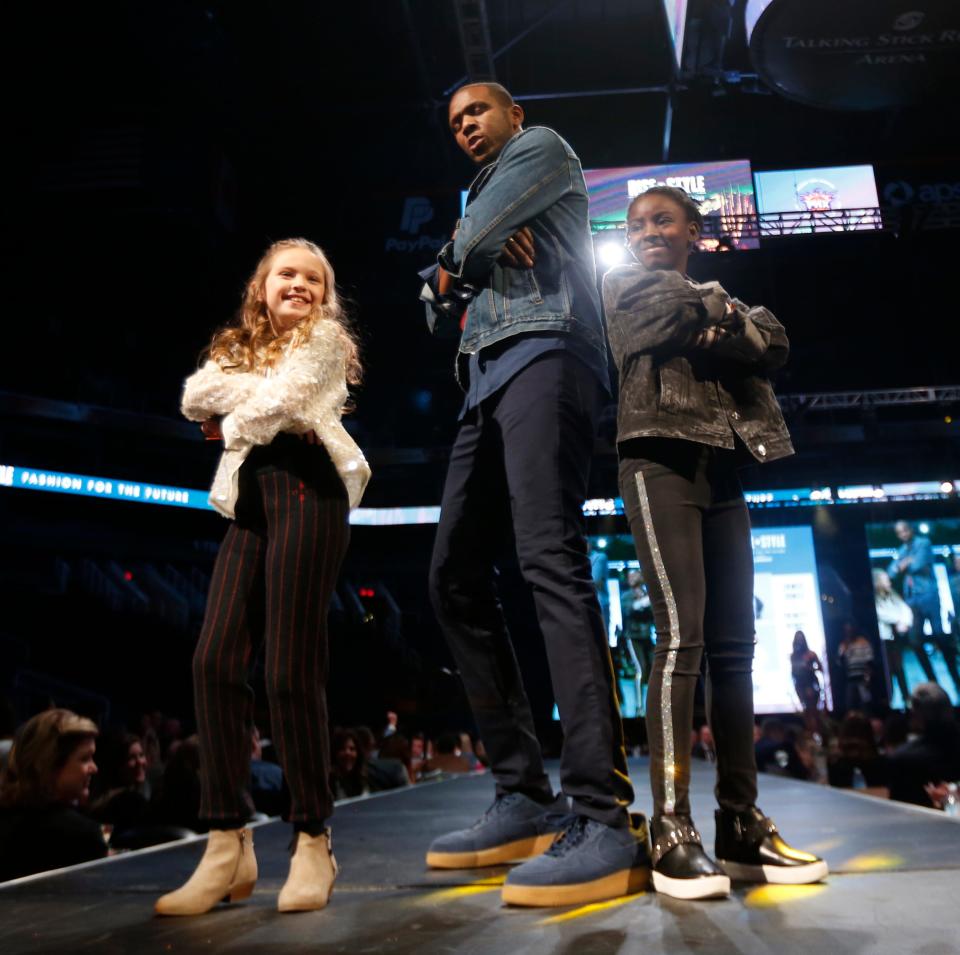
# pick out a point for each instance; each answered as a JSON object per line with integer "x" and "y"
{"x": 672, "y": 387}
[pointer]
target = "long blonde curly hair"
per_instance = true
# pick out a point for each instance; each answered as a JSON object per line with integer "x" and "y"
{"x": 252, "y": 342}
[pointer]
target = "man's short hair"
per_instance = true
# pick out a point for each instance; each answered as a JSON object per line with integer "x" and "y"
{"x": 500, "y": 93}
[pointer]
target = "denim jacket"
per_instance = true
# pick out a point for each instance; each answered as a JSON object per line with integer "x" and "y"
{"x": 672, "y": 388}
{"x": 537, "y": 182}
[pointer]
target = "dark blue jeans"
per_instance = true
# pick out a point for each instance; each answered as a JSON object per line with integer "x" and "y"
{"x": 521, "y": 460}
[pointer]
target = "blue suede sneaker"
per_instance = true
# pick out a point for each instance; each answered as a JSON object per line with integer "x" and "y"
{"x": 589, "y": 862}
{"x": 515, "y": 827}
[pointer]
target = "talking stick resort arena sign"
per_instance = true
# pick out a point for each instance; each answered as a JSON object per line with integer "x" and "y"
{"x": 856, "y": 54}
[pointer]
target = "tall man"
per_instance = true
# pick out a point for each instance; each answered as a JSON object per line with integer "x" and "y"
{"x": 533, "y": 364}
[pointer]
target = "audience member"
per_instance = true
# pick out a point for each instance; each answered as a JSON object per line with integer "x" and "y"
{"x": 121, "y": 797}
{"x": 468, "y": 752}
{"x": 855, "y": 761}
{"x": 349, "y": 771}
{"x": 704, "y": 747}
{"x": 391, "y": 726}
{"x": 933, "y": 757}
{"x": 448, "y": 757}
{"x": 382, "y": 773}
{"x": 420, "y": 752}
{"x": 397, "y": 747}
{"x": 46, "y": 780}
{"x": 896, "y": 731}
{"x": 776, "y": 753}
{"x": 267, "y": 787}
{"x": 178, "y": 801}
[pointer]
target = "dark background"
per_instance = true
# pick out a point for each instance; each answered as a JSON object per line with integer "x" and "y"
{"x": 153, "y": 151}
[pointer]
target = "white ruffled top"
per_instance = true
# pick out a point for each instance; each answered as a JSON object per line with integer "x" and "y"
{"x": 305, "y": 390}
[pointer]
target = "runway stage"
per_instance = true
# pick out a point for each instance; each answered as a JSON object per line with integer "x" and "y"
{"x": 894, "y": 887}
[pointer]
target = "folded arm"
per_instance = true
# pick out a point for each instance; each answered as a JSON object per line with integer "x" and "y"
{"x": 280, "y": 402}
{"x": 531, "y": 176}
{"x": 210, "y": 391}
{"x": 750, "y": 336}
{"x": 651, "y": 311}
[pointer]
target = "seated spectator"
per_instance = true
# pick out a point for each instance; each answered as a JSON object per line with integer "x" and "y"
{"x": 382, "y": 773}
{"x": 391, "y": 726}
{"x": 703, "y": 748}
{"x": 178, "y": 801}
{"x": 448, "y": 757}
{"x": 776, "y": 752}
{"x": 896, "y": 730}
{"x": 267, "y": 787}
{"x": 469, "y": 752}
{"x": 46, "y": 780}
{"x": 933, "y": 757}
{"x": 420, "y": 751}
{"x": 151, "y": 749}
{"x": 122, "y": 796}
{"x": 855, "y": 761}
{"x": 397, "y": 748}
{"x": 349, "y": 774}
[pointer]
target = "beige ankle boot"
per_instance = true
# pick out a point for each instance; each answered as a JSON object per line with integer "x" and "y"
{"x": 312, "y": 871}
{"x": 228, "y": 869}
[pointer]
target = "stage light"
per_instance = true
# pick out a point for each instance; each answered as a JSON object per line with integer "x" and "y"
{"x": 924, "y": 528}
{"x": 946, "y": 487}
{"x": 611, "y": 254}
{"x": 601, "y": 542}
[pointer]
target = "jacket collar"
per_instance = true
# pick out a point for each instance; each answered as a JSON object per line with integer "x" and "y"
{"x": 480, "y": 180}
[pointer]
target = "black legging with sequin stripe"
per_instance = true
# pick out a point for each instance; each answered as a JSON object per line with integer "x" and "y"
{"x": 691, "y": 528}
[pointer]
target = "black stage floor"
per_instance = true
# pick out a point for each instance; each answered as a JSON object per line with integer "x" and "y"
{"x": 894, "y": 887}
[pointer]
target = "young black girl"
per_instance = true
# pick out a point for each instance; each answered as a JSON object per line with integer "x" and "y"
{"x": 694, "y": 401}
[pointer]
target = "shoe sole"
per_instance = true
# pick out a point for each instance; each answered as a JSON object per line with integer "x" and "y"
{"x": 624, "y": 882}
{"x": 495, "y": 855}
{"x": 776, "y": 874}
{"x": 237, "y": 893}
{"x": 699, "y": 887}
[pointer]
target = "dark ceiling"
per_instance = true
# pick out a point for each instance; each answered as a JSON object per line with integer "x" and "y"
{"x": 154, "y": 149}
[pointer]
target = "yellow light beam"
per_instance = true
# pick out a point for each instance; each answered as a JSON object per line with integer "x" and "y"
{"x": 488, "y": 884}
{"x": 875, "y": 862}
{"x": 589, "y": 910}
{"x": 773, "y": 896}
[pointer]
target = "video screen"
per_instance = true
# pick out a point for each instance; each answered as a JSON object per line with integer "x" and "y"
{"x": 833, "y": 199}
{"x": 786, "y": 599}
{"x": 724, "y": 191}
{"x": 915, "y": 567}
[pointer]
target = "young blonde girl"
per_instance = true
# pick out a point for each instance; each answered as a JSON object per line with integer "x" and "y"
{"x": 273, "y": 389}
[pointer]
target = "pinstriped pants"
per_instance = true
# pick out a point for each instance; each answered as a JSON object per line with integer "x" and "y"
{"x": 691, "y": 528}
{"x": 272, "y": 583}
